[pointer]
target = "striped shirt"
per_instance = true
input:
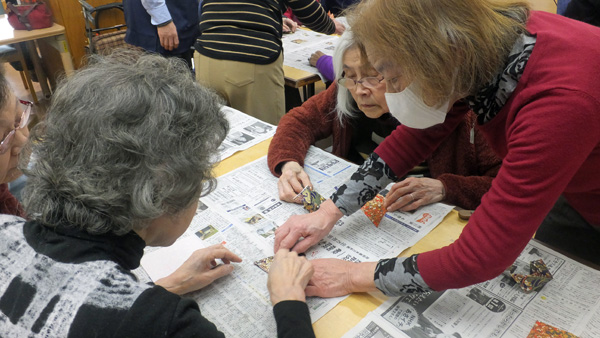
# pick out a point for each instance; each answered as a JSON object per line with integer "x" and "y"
{"x": 250, "y": 31}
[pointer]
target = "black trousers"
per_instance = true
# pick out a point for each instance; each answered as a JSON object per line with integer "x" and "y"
{"x": 565, "y": 229}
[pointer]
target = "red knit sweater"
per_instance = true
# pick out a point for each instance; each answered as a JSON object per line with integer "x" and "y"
{"x": 465, "y": 169}
{"x": 548, "y": 134}
{"x": 8, "y": 203}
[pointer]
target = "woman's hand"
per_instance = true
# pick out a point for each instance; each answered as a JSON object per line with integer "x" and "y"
{"x": 339, "y": 27}
{"x": 314, "y": 57}
{"x": 414, "y": 192}
{"x": 312, "y": 227}
{"x": 288, "y": 276}
{"x": 289, "y": 25}
{"x": 336, "y": 277}
{"x": 200, "y": 270}
{"x": 292, "y": 180}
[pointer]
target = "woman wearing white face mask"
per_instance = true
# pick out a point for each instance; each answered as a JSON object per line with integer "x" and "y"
{"x": 353, "y": 111}
{"x": 536, "y": 92}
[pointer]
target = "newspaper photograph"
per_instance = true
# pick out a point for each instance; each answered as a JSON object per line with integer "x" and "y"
{"x": 244, "y": 132}
{"x": 243, "y": 213}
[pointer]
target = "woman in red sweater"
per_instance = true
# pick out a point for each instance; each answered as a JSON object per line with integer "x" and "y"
{"x": 536, "y": 92}
{"x": 461, "y": 168}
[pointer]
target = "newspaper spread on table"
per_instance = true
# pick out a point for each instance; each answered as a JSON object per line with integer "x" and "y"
{"x": 497, "y": 308}
{"x": 244, "y": 132}
{"x": 243, "y": 213}
{"x": 300, "y": 45}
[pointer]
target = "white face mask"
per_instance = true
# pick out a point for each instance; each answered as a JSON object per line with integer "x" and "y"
{"x": 408, "y": 107}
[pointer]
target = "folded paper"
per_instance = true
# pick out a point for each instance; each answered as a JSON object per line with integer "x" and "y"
{"x": 538, "y": 276}
{"x": 312, "y": 200}
{"x": 543, "y": 330}
{"x": 265, "y": 263}
{"x": 374, "y": 210}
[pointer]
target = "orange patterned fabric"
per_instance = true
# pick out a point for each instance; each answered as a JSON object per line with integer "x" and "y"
{"x": 543, "y": 330}
{"x": 374, "y": 210}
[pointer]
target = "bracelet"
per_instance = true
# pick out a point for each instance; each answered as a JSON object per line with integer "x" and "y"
{"x": 164, "y": 23}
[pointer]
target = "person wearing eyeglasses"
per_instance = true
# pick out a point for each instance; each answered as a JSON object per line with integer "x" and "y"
{"x": 354, "y": 112}
{"x": 14, "y": 117}
{"x": 532, "y": 79}
{"x": 110, "y": 178}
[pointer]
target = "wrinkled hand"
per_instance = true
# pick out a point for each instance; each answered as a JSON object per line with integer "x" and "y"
{"x": 312, "y": 227}
{"x": 288, "y": 276}
{"x": 339, "y": 27}
{"x": 289, "y": 25}
{"x": 292, "y": 180}
{"x": 336, "y": 277}
{"x": 315, "y": 57}
{"x": 200, "y": 270}
{"x": 413, "y": 193}
{"x": 168, "y": 36}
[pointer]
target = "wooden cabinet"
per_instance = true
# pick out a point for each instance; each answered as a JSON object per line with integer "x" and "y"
{"x": 68, "y": 14}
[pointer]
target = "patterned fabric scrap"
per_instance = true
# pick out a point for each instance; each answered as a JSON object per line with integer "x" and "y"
{"x": 265, "y": 263}
{"x": 543, "y": 330}
{"x": 374, "y": 210}
{"x": 538, "y": 276}
{"x": 312, "y": 200}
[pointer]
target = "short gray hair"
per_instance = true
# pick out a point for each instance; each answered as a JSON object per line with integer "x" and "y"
{"x": 127, "y": 139}
{"x": 345, "y": 105}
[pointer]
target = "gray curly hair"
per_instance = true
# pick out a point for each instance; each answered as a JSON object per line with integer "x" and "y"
{"x": 127, "y": 139}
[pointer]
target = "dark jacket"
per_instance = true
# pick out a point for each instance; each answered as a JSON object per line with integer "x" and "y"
{"x": 142, "y": 33}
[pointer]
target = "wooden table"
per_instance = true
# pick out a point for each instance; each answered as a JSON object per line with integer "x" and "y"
{"x": 297, "y": 78}
{"x": 54, "y": 36}
{"x": 350, "y": 311}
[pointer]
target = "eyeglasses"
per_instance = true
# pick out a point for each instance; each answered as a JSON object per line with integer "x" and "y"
{"x": 395, "y": 83}
{"x": 22, "y": 123}
{"x": 367, "y": 82}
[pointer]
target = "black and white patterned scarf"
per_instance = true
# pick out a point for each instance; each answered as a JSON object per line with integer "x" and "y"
{"x": 488, "y": 101}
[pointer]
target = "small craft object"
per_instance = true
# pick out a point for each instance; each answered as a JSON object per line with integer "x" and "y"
{"x": 538, "y": 276}
{"x": 374, "y": 210}
{"x": 543, "y": 330}
{"x": 265, "y": 263}
{"x": 465, "y": 214}
{"x": 312, "y": 200}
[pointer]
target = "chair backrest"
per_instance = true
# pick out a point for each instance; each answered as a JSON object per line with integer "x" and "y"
{"x": 105, "y": 43}
{"x": 93, "y": 30}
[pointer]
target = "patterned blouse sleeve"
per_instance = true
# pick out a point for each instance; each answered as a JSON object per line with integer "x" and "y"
{"x": 398, "y": 276}
{"x": 370, "y": 178}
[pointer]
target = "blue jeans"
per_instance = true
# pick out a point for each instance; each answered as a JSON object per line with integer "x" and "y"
{"x": 561, "y": 5}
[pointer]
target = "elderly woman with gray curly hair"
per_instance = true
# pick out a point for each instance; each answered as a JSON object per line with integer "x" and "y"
{"x": 120, "y": 162}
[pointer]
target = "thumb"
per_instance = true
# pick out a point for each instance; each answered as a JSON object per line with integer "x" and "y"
{"x": 311, "y": 291}
{"x": 218, "y": 272}
{"x": 304, "y": 179}
{"x": 304, "y": 244}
